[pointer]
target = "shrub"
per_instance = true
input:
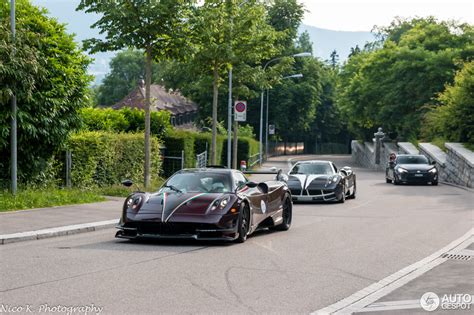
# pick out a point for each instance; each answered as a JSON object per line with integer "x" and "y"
{"x": 101, "y": 158}
{"x": 180, "y": 140}
{"x": 125, "y": 120}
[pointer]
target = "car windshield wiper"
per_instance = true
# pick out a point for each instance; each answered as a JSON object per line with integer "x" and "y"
{"x": 172, "y": 188}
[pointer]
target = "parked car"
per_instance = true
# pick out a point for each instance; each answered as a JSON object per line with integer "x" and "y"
{"x": 409, "y": 168}
{"x": 206, "y": 204}
{"x": 320, "y": 181}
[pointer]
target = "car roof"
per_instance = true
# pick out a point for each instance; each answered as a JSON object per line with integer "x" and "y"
{"x": 398, "y": 155}
{"x": 313, "y": 162}
{"x": 208, "y": 170}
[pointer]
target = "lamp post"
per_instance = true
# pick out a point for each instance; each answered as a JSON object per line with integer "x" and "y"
{"x": 299, "y": 75}
{"x": 303, "y": 54}
{"x": 14, "y": 162}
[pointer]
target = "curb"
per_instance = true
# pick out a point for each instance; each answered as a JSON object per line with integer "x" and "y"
{"x": 457, "y": 186}
{"x": 55, "y": 232}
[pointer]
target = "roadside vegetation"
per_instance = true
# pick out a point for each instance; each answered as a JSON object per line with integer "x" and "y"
{"x": 40, "y": 198}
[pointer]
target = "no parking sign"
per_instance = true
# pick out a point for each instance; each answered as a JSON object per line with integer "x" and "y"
{"x": 240, "y": 110}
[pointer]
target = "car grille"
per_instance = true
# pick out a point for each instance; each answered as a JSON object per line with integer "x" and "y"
{"x": 168, "y": 228}
{"x": 295, "y": 192}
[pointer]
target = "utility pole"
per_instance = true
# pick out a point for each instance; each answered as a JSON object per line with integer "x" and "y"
{"x": 14, "y": 162}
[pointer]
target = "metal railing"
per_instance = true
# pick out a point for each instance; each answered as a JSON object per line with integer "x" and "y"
{"x": 201, "y": 159}
{"x": 253, "y": 159}
{"x": 172, "y": 164}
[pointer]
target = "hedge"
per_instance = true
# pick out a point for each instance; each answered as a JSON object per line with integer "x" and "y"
{"x": 102, "y": 158}
{"x": 180, "y": 140}
{"x": 246, "y": 147}
{"x": 125, "y": 120}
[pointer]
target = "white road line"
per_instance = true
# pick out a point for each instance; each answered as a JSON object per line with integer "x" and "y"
{"x": 392, "y": 305}
{"x": 359, "y": 300}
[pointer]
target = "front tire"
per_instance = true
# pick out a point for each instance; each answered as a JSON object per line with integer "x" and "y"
{"x": 343, "y": 195}
{"x": 287, "y": 215}
{"x": 244, "y": 223}
{"x": 388, "y": 181}
{"x": 435, "y": 183}
{"x": 353, "y": 195}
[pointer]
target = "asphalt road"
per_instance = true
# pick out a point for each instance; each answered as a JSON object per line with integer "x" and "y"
{"x": 330, "y": 252}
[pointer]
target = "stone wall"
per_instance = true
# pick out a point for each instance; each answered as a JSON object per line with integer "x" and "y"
{"x": 363, "y": 154}
{"x": 459, "y": 165}
{"x": 456, "y": 165}
{"x": 434, "y": 153}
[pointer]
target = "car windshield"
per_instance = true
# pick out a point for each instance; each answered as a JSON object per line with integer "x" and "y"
{"x": 312, "y": 168}
{"x": 199, "y": 182}
{"x": 412, "y": 159}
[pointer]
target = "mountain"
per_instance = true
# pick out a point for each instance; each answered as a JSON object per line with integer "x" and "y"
{"x": 324, "y": 41}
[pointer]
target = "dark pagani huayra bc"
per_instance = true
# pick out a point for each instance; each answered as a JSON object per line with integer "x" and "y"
{"x": 320, "y": 181}
{"x": 206, "y": 204}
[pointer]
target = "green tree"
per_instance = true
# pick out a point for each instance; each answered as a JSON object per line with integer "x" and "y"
{"x": 285, "y": 16}
{"x": 453, "y": 118}
{"x": 390, "y": 86}
{"x": 48, "y": 76}
{"x": 126, "y": 69}
{"x": 227, "y": 33}
{"x": 156, "y": 27}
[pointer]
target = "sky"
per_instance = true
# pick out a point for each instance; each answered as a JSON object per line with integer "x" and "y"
{"x": 345, "y": 15}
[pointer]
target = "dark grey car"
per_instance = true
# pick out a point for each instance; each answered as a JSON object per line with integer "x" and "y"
{"x": 407, "y": 168}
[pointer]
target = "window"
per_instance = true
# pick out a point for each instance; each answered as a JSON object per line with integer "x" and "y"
{"x": 239, "y": 179}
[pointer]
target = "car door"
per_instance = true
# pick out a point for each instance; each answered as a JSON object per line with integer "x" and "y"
{"x": 254, "y": 195}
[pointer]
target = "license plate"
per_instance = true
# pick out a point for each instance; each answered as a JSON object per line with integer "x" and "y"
{"x": 418, "y": 175}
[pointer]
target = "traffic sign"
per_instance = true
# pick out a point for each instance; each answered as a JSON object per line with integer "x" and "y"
{"x": 240, "y": 110}
{"x": 271, "y": 129}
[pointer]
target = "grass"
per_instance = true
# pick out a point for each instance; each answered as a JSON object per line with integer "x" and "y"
{"x": 31, "y": 198}
{"x": 41, "y": 198}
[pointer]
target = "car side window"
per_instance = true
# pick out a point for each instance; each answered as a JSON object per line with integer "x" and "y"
{"x": 239, "y": 179}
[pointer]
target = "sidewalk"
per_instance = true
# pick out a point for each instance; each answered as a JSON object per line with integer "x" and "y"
{"x": 44, "y": 221}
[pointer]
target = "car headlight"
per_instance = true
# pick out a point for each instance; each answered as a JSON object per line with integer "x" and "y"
{"x": 134, "y": 202}
{"x": 331, "y": 180}
{"x": 401, "y": 170}
{"x": 220, "y": 203}
{"x": 433, "y": 170}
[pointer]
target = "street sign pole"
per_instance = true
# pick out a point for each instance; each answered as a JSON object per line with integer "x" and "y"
{"x": 229, "y": 121}
{"x": 14, "y": 109}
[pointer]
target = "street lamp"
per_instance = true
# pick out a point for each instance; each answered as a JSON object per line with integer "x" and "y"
{"x": 303, "y": 54}
{"x": 299, "y": 75}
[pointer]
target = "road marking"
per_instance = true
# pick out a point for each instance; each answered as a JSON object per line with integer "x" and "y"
{"x": 361, "y": 299}
{"x": 392, "y": 305}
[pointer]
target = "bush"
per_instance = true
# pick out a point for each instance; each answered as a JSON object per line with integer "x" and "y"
{"x": 246, "y": 147}
{"x": 125, "y": 120}
{"x": 453, "y": 119}
{"x": 101, "y": 158}
{"x": 178, "y": 141}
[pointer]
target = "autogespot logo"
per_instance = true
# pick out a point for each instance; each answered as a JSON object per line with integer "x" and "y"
{"x": 429, "y": 301}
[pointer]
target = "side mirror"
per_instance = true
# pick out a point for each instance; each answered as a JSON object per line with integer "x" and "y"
{"x": 127, "y": 183}
{"x": 263, "y": 187}
{"x": 281, "y": 177}
{"x": 433, "y": 162}
{"x": 251, "y": 184}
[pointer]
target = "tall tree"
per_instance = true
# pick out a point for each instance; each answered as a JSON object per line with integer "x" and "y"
{"x": 390, "y": 86}
{"x": 48, "y": 75}
{"x": 158, "y": 27}
{"x": 229, "y": 33}
{"x": 334, "y": 59}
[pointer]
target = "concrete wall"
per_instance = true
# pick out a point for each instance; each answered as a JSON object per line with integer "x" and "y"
{"x": 363, "y": 154}
{"x": 456, "y": 165}
{"x": 434, "y": 153}
{"x": 459, "y": 165}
